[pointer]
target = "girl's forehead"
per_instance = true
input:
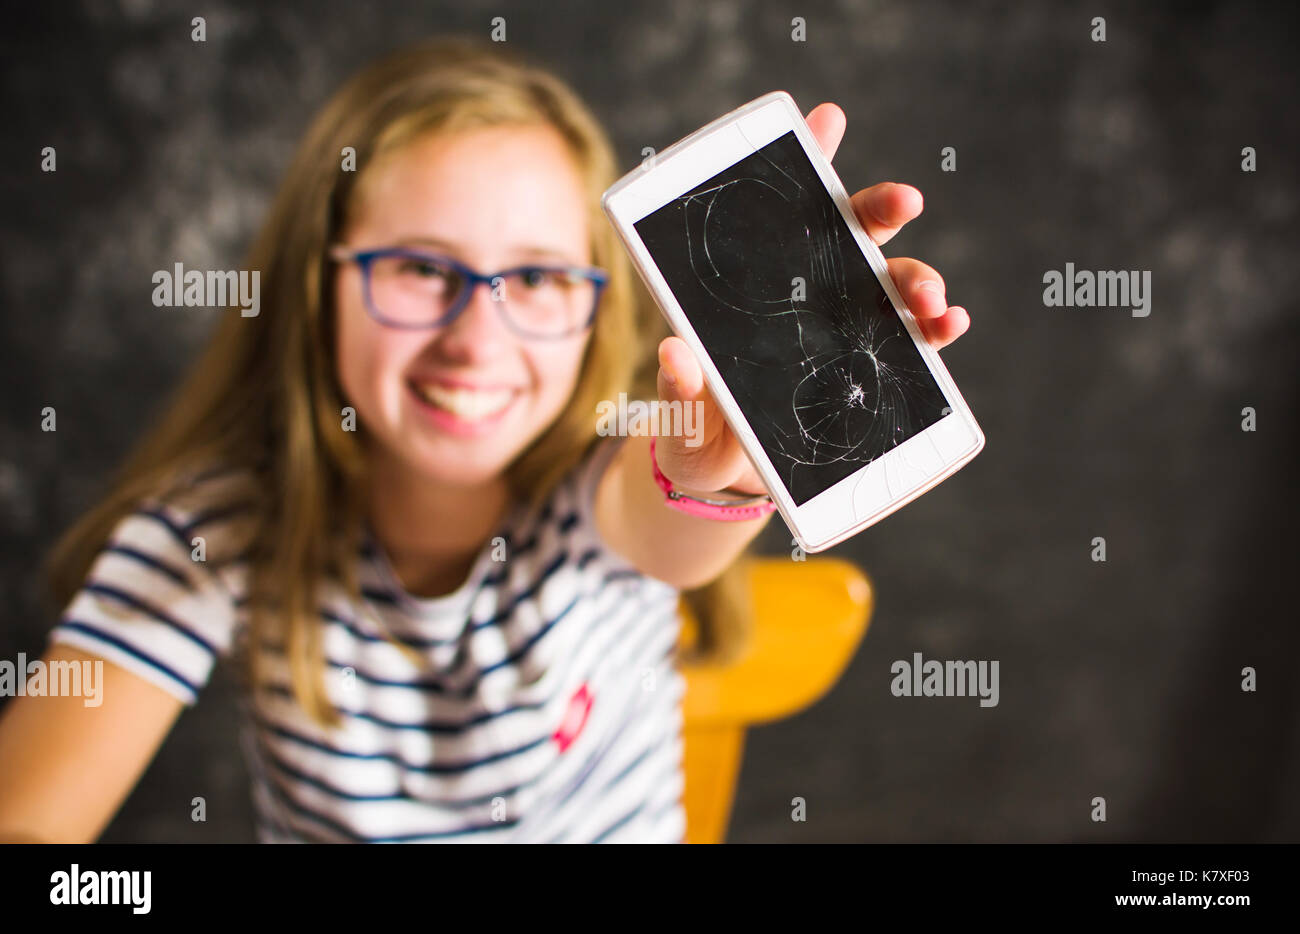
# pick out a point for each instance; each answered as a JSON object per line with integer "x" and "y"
{"x": 508, "y": 185}
{"x": 481, "y": 154}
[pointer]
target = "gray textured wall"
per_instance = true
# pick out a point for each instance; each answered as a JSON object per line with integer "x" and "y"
{"x": 1118, "y": 679}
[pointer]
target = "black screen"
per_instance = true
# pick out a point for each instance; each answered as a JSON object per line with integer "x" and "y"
{"x": 767, "y": 272}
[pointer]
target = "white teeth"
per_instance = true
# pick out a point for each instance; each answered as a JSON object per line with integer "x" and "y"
{"x": 470, "y": 404}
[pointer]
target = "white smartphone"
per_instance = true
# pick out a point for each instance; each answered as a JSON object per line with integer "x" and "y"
{"x": 746, "y": 237}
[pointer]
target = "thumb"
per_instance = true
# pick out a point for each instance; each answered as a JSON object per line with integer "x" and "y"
{"x": 681, "y": 380}
{"x": 680, "y": 376}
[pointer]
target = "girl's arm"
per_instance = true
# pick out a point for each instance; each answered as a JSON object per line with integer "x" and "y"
{"x": 681, "y": 550}
{"x": 66, "y": 768}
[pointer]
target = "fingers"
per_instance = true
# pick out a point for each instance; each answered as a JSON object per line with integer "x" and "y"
{"x": 942, "y": 331}
{"x": 827, "y": 122}
{"x": 925, "y": 295}
{"x": 883, "y": 209}
{"x": 922, "y": 288}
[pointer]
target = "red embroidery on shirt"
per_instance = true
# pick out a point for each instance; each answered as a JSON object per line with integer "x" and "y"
{"x": 575, "y": 717}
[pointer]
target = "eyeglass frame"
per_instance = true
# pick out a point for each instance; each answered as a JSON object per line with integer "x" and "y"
{"x": 340, "y": 252}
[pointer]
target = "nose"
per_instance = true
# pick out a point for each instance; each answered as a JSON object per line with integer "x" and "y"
{"x": 479, "y": 332}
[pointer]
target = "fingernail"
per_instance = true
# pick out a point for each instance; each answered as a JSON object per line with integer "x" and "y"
{"x": 931, "y": 286}
{"x": 668, "y": 375}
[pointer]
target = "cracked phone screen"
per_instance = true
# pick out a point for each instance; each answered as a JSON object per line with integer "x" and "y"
{"x": 793, "y": 316}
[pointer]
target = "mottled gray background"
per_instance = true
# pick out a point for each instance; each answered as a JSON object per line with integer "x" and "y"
{"x": 1119, "y": 679}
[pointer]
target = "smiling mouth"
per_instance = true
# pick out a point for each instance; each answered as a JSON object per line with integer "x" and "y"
{"x": 467, "y": 404}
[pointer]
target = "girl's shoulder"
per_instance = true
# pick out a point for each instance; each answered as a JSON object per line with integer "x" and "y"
{"x": 207, "y": 515}
{"x": 159, "y": 598}
{"x": 212, "y": 506}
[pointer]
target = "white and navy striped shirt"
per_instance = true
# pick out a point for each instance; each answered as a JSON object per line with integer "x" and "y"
{"x": 543, "y": 703}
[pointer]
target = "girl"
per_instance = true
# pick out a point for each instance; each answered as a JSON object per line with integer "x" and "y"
{"x": 458, "y": 605}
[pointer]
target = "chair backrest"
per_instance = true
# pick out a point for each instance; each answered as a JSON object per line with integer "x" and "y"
{"x": 809, "y": 617}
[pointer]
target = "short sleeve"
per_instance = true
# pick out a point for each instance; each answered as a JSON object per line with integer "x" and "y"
{"x": 149, "y": 606}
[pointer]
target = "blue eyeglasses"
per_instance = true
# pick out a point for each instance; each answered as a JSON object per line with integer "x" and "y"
{"x": 406, "y": 288}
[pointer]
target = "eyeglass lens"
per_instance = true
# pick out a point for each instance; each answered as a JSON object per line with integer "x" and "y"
{"x": 423, "y": 290}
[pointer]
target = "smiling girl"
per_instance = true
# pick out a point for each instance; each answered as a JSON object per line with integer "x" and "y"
{"x": 386, "y": 493}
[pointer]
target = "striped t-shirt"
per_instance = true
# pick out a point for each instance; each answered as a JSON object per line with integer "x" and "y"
{"x": 542, "y": 703}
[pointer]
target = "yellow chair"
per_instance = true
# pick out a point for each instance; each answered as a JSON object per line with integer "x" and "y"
{"x": 809, "y": 617}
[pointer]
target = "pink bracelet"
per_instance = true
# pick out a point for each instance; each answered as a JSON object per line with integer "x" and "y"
{"x": 752, "y": 507}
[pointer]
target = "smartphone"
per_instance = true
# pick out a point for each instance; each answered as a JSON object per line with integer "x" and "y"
{"x": 746, "y": 238}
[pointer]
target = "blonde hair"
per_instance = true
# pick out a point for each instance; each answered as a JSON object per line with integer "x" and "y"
{"x": 264, "y": 396}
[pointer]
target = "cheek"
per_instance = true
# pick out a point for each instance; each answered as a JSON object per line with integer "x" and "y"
{"x": 370, "y": 361}
{"x": 559, "y": 368}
